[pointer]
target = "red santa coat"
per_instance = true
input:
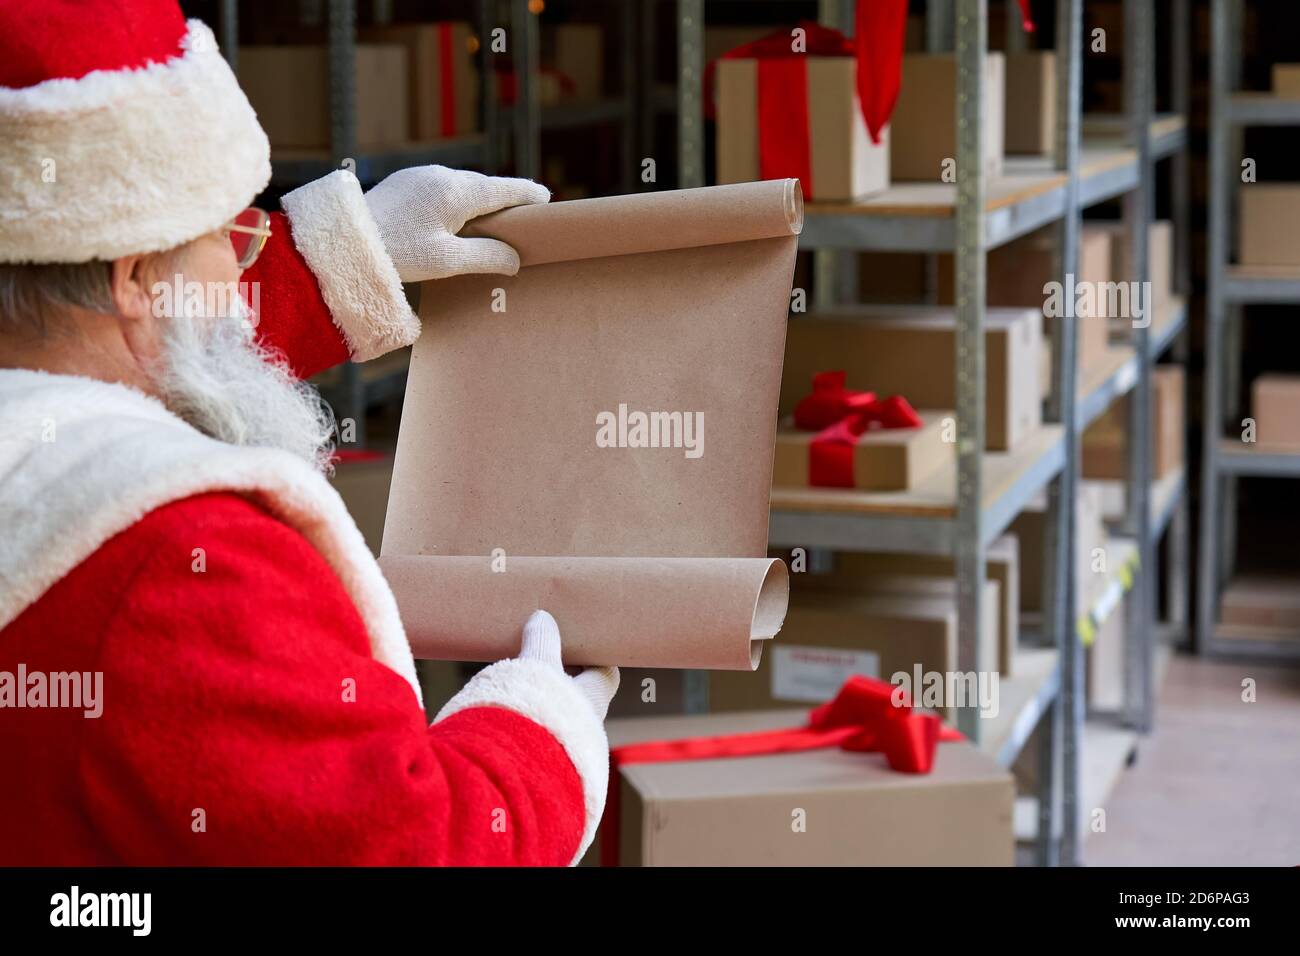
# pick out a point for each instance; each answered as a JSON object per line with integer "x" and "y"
{"x": 258, "y": 702}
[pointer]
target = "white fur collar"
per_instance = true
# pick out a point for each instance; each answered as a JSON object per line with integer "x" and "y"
{"x": 81, "y": 460}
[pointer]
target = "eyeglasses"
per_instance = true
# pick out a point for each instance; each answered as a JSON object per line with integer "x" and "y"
{"x": 248, "y": 233}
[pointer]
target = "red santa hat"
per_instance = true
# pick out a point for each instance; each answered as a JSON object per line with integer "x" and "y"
{"x": 122, "y": 130}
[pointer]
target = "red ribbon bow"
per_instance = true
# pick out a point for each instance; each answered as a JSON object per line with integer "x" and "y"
{"x": 868, "y": 715}
{"x": 784, "y": 143}
{"x": 784, "y": 136}
{"x": 840, "y": 416}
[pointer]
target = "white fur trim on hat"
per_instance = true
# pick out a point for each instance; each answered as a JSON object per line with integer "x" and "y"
{"x": 130, "y": 161}
{"x": 337, "y": 235}
{"x": 546, "y": 695}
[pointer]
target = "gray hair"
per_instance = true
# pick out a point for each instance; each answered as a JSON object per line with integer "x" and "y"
{"x": 34, "y": 295}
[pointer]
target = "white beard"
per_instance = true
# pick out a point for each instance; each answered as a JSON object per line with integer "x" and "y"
{"x": 216, "y": 376}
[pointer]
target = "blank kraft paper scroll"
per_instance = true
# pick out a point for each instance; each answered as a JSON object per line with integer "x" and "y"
{"x": 595, "y": 435}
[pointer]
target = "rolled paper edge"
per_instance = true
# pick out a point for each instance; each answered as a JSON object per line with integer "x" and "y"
{"x": 770, "y": 606}
{"x": 752, "y": 593}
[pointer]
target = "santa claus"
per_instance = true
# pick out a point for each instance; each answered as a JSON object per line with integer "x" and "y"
{"x": 165, "y": 526}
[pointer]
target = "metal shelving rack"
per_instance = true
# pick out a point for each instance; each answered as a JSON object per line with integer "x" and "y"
{"x": 1230, "y": 288}
{"x": 992, "y": 488}
{"x": 528, "y": 117}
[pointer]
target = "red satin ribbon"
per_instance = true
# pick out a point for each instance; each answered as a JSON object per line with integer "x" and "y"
{"x": 840, "y": 416}
{"x": 447, "y": 78}
{"x": 878, "y": 41}
{"x": 866, "y": 716}
{"x": 1026, "y": 18}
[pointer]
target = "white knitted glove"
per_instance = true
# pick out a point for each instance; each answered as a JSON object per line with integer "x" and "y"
{"x": 542, "y": 643}
{"x": 419, "y": 211}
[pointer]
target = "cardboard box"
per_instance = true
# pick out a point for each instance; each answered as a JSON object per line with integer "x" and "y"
{"x": 857, "y": 570}
{"x": 288, "y": 87}
{"x": 1031, "y": 102}
{"x": 851, "y": 576}
{"x": 739, "y": 811}
{"x": 1105, "y": 442}
{"x": 911, "y": 351}
{"x": 1160, "y": 261}
{"x": 363, "y": 485}
{"x": 845, "y": 164}
{"x": 1017, "y": 274}
{"x": 830, "y": 635}
{"x": 923, "y": 131}
{"x": 1090, "y": 534}
{"x": 887, "y": 459}
{"x": 425, "y": 73}
{"x": 1264, "y": 601}
{"x": 1269, "y": 213}
{"x": 1105, "y": 663}
{"x": 580, "y": 56}
{"x": 1286, "y": 80}
{"x": 1275, "y": 406}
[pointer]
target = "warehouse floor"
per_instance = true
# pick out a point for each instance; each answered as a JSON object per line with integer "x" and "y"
{"x": 1218, "y": 782}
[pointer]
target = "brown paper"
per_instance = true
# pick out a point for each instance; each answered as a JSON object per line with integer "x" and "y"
{"x": 503, "y": 501}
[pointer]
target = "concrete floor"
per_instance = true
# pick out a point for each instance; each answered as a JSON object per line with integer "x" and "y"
{"x": 1218, "y": 782}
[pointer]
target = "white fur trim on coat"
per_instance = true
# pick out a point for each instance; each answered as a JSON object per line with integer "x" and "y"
{"x": 127, "y": 161}
{"x": 546, "y": 695}
{"x": 82, "y": 460}
{"x": 337, "y": 235}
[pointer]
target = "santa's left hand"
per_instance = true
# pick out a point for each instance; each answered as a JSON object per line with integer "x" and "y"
{"x": 419, "y": 211}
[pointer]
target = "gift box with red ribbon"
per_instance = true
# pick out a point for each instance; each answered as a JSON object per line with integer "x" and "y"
{"x": 791, "y": 105}
{"x": 841, "y": 438}
{"x": 864, "y": 780}
{"x": 442, "y": 78}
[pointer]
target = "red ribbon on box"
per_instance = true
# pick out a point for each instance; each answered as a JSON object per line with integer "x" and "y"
{"x": 868, "y": 715}
{"x": 1026, "y": 18}
{"x": 840, "y": 416}
{"x": 784, "y": 147}
{"x": 784, "y": 144}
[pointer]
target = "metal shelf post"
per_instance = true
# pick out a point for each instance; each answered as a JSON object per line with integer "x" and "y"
{"x": 1064, "y": 720}
{"x": 972, "y": 45}
{"x": 1139, "y": 644}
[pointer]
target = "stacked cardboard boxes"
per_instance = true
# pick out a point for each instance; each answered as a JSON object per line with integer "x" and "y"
{"x": 856, "y": 571}
{"x": 1105, "y": 443}
{"x": 1030, "y": 528}
{"x": 288, "y": 86}
{"x": 1023, "y": 273}
{"x": 880, "y": 629}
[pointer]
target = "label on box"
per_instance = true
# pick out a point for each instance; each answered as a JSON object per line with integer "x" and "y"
{"x": 815, "y": 674}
